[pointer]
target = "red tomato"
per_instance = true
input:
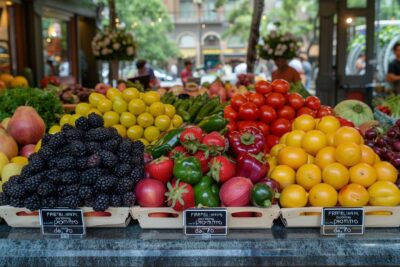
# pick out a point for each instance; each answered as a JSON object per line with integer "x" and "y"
{"x": 275, "y": 100}
{"x": 244, "y": 124}
{"x": 263, "y": 127}
{"x": 295, "y": 100}
{"x": 237, "y": 101}
{"x": 280, "y": 127}
{"x": 230, "y": 113}
{"x": 249, "y": 111}
{"x": 257, "y": 99}
{"x": 263, "y": 87}
{"x": 324, "y": 111}
{"x": 313, "y": 102}
{"x": 270, "y": 141}
{"x": 267, "y": 114}
{"x": 287, "y": 112}
{"x": 306, "y": 110}
{"x": 280, "y": 86}
{"x": 231, "y": 126}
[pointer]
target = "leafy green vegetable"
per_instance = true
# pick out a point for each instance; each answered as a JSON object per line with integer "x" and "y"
{"x": 299, "y": 88}
{"x": 393, "y": 102}
{"x": 47, "y": 104}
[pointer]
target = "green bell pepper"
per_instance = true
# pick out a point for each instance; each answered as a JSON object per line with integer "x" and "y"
{"x": 166, "y": 143}
{"x": 188, "y": 170}
{"x": 206, "y": 193}
{"x": 262, "y": 195}
{"x": 213, "y": 123}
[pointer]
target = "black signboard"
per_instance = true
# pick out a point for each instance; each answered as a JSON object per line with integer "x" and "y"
{"x": 342, "y": 221}
{"x": 64, "y": 223}
{"x": 205, "y": 221}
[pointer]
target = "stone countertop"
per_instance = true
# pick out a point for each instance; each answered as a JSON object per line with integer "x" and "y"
{"x": 133, "y": 246}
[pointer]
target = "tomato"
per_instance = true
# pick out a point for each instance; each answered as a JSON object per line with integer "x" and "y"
{"x": 295, "y": 100}
{"x": 313, "y": 102}
{"x": 293, "y": 196}
{"x": 280, "y": 127}
{"x": 328, "y": 124}
{"x": 367, "y": 155}
{"x": 348, "y": 154}
{"x": 150, "y": 193}
{"x": 287, "y": 112}
{"x": 336, "y": 175}
{"x": 385, "y": 171}
{"x": 257, "y": 99}
{"x": 244, "y": 124}
{"x": 249, "y": 111}
{"x": 344, "y": 122}
{"x": 384, "y": 193}
{"x": 263, "y": 87}
{"x": 363, "y": 174}
{"x": 347, "y": 134}
{"x": 306, "y": 110}
{"x": 284, "y": 175}
{"x": 323, "y": 195}
{"x": 263, "y": 127}
{"x": 294, "y": 157}
{"x": 230, "y": 113}
{"x": 237, "y": 101}
{"x": 231, "y": 126}
{"x": 267, "y": 114}
{"x": 324, "y": 111}
{"x": 313, "y": 141}
{"x": 325, "y": 157}
{"x": 308, "y": 176}
{"x": 294, "y": 138}
{"x": 304, "y": 122}
{"x": 280, "y": 86}
{"x": 353, "y": 195}
{"x": 275, "y": 100}
{"x": 162, "y": 122}
{"x": 271, "y": 140}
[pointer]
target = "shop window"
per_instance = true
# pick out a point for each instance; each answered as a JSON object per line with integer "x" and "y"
{"x": 235, "y": 41}
{"x": 356, "y": 3}
{"x": 211, "y": 41}
{"x": 186, "y": 9}
{"x": 356, "y": 40}
{"x": 187, "y": 41}
{"x": 55, "y": 47}
{"x": 4, "y": 47}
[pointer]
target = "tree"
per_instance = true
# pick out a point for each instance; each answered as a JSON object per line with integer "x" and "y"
{"x": 258, "y": 8}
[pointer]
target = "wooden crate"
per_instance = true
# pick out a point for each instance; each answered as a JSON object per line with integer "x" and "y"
{"x": 311, "y": 216}
{"x": 167, "y": 218}
{"x": 112, "y": 217}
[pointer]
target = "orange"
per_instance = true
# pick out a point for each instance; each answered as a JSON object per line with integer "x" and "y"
{"x": 325, "y": 157}
{"x": 336, "y": 175}
{"x": 347, "y": 134}
{"x": 348, "y": 154}
{"x": 367, "y": 155}
{"x": 283, "y": 138}
{"x": 292, "y": 156}
{"x": 362, "y": 174}
{"x": 384, "y": 193}
{"x": 293, "y": 196}
{"x": 323, "y": 195}
{"x": 308, "y": 175}
{"x": 275, "y": 149}
{"x": 295, "y": 137}
{"x": 313, "y": 141}
{"x": 304, "y": 122}
{"x": 330, "y": 139}
{"x": 328, "y": 124}
{"x": 353, "y": 195}
{"x": 284, "y": 175}
{"x": 385, "y": 171}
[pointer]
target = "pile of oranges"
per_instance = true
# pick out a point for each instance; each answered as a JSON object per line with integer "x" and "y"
{"x": 319, "y": 163}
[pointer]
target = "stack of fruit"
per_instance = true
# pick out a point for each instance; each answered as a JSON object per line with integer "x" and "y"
{"x": 87, "y": 165}
{"x": 323, "y": 164}
{"x": 9, "y": 81}
{"x": 138, "y": 116}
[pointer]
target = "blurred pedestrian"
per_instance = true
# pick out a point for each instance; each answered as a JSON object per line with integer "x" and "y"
{"x": 144, "y": 70}
{"x": 360, "y": 64}
{"x": 186, "y": 72}
{"x": 393, "y": 75}
{"x": 307, "y": 68}
{"x": 174, "y": 71}
{"x": 284, "y": 71}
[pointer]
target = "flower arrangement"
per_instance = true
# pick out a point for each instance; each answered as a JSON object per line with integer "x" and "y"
{"x": 278, "y": 44}
{"x": 114, "y": 45}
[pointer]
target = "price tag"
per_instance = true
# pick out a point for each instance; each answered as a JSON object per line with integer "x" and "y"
{"x": 64, "y": 223}
{"x": 342, "y": 221}
{"x": 205, "y": 221}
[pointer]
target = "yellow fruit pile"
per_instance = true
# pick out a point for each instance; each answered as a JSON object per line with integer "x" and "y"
{"x": 319, "y": 163}
{"x": 11, "y": 167}
{"x": 138, "y": 116}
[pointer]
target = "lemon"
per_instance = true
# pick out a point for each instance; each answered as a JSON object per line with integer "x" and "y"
{"x": 110, "y": 118}
{"x": 104, "y": 105}
{"x": 162, "y": 122}
{"x": 151, "y": 97}
{"x": 94, "y": 98}
{"x": 9, "y": 170}
{"x": 156, "y": 109}
{"x": 120, "y": 105}
{"x": 145, "y": 120}
{"x": 54, "y": 129}
{"x": 169, "y": 110}
{"x": 136, "y": 106}
{"x": 74, "y": 118}
{"x": 82, "y": 108}
{"x": 151, "y": 133}
{"x": 177, "y": 121}
{"x": 144, "y": 141}
{"x": 3, "y": 160}
{"x": 20, "y": 160}
{"x": 65, "y": 119}
{"x": 38, "y": 145}
{"x": 130, "y": 93}
{"x": 120, "y": 129}
{"x": 96, "y": 111}
{"x": 112, "y": 92}
{"x": 127, "y": 119}
{"x": 135, "y": 132}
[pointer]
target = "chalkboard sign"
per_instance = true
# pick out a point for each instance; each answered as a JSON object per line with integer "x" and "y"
{"x": 205, "y": 221}
{"x": 342, "y": 221}
{"x": 64, "y": 223}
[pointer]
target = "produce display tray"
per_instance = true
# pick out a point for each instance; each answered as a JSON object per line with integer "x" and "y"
{"x": 167, "y": 218}
{"x": 24, "y": 218}
{"x": 375, "y": 216}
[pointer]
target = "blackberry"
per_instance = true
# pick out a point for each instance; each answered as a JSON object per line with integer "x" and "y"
{"x": 32, "y": 202}
{"x": 46, "y": 153}
{"x": 105, "y": 183}
{"x": 98, "y": 134}
{"x": 69, "y": 201}
{"x": 36, "y": 162}
{"x": 53, "y": 176}
{"x": 128, "y": 199}
{"x": 46, "y": 189}
{"x": 137, "y": 173}
{"x": 45, "y": 139}
{"x": 110, "y": 145}
{"x": 52, "y": 163}
{"x": 113, "y": 132}
{"x": 90, "y": 176}
{"x": 138, "y": 160}
{"x": 56, "y": 141}
{"x": 73, "y": 134}
{"x": 16, "y": 179}
{"x": 48, "y": 202}
{"x": 27, "y": 171}
{"x": 82, "y": 124}
{"x": 125, "y": 157}
{"x": 32, "y": 183}
{"x": 64, "y": 152}
{"x": 95, "y": 121}
{"x": 77, "y": 148}
{"x": 94, "y": 160}
{"x": 89, "y": 202}
{"x": 66, "y": 163}
{"x": 17, "y": 202}
{"x": 62, "y": 191}
{"x": 122, "y": 170}
{"x": 4, "y": 200}
{"x": 72, "y": 189}
{"x": 138, "y": 148}
{"x": 108, "y": 158}
{"x": 93, "y": 147}
{"x": 69, "y": 177}
{"x": 116, "y": 201}
{"x": 124, "y": 185}
{"x": 101, "y": 203}
{"x": 126, "y": 146}
{"x": 66, "y": 127}
{"x": 81, "y": 163}
{"x": 85, "y": 192}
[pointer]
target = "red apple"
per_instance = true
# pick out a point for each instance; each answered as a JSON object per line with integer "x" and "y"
{"x": 27, "y": 150}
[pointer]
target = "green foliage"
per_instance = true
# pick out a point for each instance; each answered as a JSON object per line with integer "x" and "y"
{"x": 239, "y": 20}
{"x": 47, "y": 104}
{"x": 385, "y": 35}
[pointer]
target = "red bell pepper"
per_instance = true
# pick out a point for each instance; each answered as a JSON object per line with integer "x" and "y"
{"x": 248, "y": 140}
{"x": 252, "y": 166}
{"x": 344, "y": 122}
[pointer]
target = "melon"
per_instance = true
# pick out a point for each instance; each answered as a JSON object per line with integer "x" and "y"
{"x": 355, "y": 111}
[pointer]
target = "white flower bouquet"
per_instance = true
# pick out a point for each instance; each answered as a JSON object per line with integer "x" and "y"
{"x": 114, "y": 45}
{"x": 279, "y": 45}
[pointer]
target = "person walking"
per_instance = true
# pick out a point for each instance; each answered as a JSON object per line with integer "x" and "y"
{"x": 284, "y": 71}
{"x": 393, "y": 75}
{"x": 186, "y": 72}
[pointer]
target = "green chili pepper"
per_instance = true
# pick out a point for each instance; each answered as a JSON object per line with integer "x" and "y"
{"x": 188, "y": 170}
{"x": 166, "y": 143}
{"x": 206, "y": 109}
{"x": 213, "y": 123}
{"x": 206, "y": 193}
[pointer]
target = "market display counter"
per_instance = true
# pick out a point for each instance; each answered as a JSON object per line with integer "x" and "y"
{"x": 134, "y": 246}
